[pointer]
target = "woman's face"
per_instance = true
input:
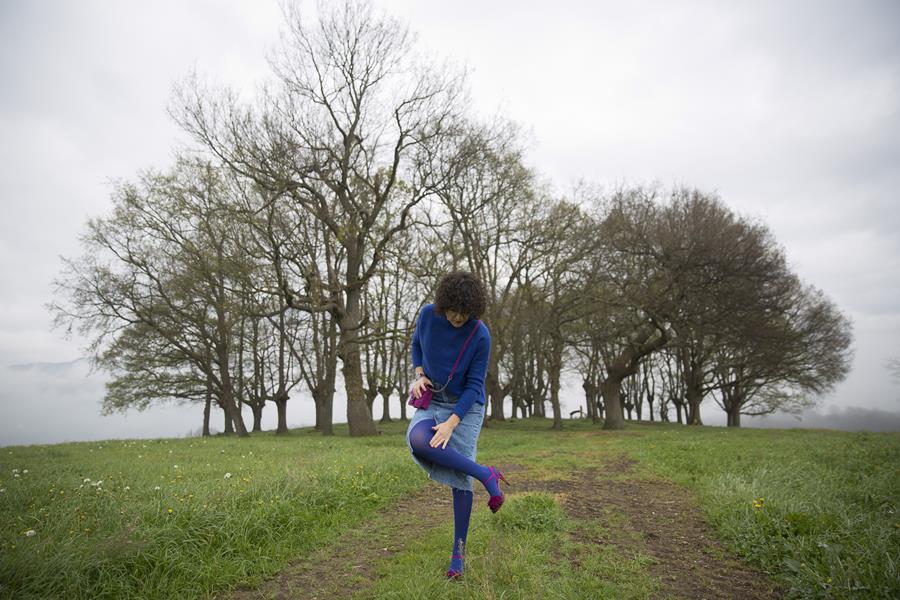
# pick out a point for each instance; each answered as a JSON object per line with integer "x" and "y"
{"x": 456, "y": 319}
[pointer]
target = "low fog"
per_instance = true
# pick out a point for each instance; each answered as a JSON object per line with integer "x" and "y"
{"x": 61, "y": 402}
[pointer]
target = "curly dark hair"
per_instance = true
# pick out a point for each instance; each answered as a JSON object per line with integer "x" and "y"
{"x": 462, "y": 292}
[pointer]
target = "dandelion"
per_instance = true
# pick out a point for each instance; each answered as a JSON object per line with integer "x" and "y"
{"x": 30, "y": 533}
{"x": 227, "y": 475}
{"x": 171, "y": 511}
{"x": 758, "y": 503}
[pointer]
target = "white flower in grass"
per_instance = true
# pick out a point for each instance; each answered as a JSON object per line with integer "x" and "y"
{"x": 15, "y": 474}
{"x": 227, "y": 475}
{"x": 176, "y": 466}
{"x": 2, "y": 490}
{"x": 87, "y": 480}
{"x": 15, "y": 471}
{"x": 156, "y": 488}
{"x": 25, "y": 471}
{"x": 127, "y": 488}
{"x": 30, "y": 532}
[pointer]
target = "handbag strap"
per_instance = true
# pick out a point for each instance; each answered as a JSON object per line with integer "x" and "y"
{"x": 468, "y": 339}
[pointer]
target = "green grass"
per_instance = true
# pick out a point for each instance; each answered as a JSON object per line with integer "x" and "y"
{"x": 827, "y": 526}
{"x": 524, "y": 553}
{"x": 817, "y": 508}
{"x": 126, "y": 538}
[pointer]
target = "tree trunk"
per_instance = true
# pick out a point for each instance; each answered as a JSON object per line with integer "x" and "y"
{"x": 281, "y": 400}
{"x": 257, "y": 409}
{"x": 610, "y": 390}
{"x": 733, "y": 404}
{"x": 404, "y": 397}
{"x": 359, "y": 415}
{"x": 694, "y": 397}
{"x": 494, "y": 390}
{"x": 323, "y": 394}
{"x": 324, "y": 401}
{"x": 206, "y": 409}
{"x": 386, "y": 408}
{"x": 229, "y": 423}
{"x": 555, "y": 368}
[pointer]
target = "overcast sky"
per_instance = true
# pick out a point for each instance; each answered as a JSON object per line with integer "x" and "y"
{"x": 789, "y": 110}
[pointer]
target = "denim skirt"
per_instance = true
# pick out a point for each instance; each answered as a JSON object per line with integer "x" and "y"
{"x": 464, "y": 439}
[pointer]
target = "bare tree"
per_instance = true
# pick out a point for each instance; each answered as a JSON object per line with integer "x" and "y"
{"x": 486, "y": 223}
{"x": 164, "y": 262}
{"x": 348, "y": 136}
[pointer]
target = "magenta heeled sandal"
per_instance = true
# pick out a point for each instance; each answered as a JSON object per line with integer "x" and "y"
{"x": 453, "y": 573}
{"x": 495, "y": 502}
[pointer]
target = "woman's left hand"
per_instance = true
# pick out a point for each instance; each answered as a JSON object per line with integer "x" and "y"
{"x": 443, "y": 432}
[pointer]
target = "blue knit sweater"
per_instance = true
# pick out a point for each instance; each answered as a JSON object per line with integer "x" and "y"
{"x": 436, "y": 344}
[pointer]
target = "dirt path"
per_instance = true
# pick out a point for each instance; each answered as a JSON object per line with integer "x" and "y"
{"x": 663, "y": 520}
{"x": 655, "y": 517}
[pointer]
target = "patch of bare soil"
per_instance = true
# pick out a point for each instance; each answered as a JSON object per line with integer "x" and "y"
{"x": 662, "y": 520}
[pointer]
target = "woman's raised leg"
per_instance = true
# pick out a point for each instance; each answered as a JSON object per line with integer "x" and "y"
{"x": 419, "y": 438}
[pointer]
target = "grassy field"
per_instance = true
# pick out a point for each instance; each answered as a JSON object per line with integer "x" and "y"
{"x": 192, "y": 518}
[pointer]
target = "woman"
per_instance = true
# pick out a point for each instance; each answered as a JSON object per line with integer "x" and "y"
{"x": 443, "y": 437}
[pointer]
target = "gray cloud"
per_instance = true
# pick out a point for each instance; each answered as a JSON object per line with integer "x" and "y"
{"x": 791, "y": 111}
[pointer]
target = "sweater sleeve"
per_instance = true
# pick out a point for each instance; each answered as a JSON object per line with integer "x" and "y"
{"x": 474, "y": 387}
{"x": 416, "y": 346}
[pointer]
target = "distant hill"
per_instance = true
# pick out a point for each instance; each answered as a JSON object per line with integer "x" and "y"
{"x": 48, "y": 367}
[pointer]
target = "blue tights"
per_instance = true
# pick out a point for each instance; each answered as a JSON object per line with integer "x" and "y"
{"x": 419, "y": 438}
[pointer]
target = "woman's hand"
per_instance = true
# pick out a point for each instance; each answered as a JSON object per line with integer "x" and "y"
{"x": 444, "y": 431}
{"x": 419, "y": 386}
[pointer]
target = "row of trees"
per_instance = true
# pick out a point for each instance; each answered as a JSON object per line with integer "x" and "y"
{"x": 305, "y": 229}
